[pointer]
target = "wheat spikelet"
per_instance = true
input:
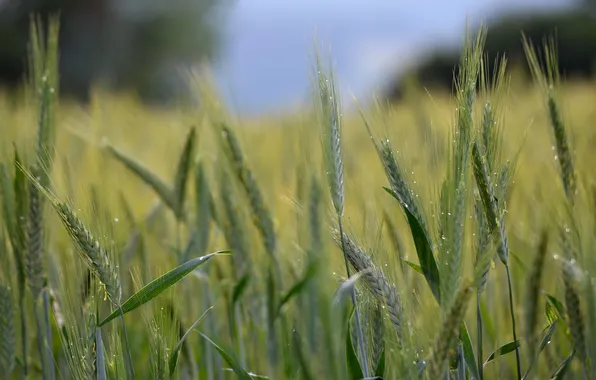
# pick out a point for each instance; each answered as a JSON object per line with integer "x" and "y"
{"x": 328, "y": 111}
{"x": 181, "y": 178}
{"x": 533, "y": 290}
{"x": 448, "y": 334}
{"x": 571, "y": 276}
{"x": 374, "y": 278}
{"x": 564, "y": 155}
{"x": 260, "y": 212}
{"x": 7, "y": 331}
{"x": 96, "y": 257}
{"x": 34, "y": 252}
{"x": 549, "y": 81}
{"x": 232, "y": 226}
{"x": 377, "y": 330}
{"x": 495, "y": 222}
{"x": 482, "y": 258}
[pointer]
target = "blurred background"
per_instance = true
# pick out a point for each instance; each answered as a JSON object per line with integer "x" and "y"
{"x": 261, "y": 50}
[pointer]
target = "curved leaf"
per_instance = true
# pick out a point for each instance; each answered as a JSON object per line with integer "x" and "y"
{"x": 559, "y": 374}
{"x": 159, "y": 285}
{"x": 469, "y": 355}
{"x": 236, "y": 367}
{"x": 174, "y": 356}
{"x": 354, "y": 368}
{"x": 423, "y": 249}
{"x": 503, "y": 350}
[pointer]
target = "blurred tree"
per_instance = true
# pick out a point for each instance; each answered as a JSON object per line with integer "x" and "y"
{"x": 124, "y": 44}
{"x": 574, "y": 32}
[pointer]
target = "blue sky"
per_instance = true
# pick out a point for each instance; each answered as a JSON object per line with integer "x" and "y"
{"x": 266, "y": 61}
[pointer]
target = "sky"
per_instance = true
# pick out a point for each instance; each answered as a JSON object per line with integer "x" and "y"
{"x": 266, "y": 62}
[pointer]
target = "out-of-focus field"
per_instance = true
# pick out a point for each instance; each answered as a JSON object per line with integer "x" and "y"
{"x": 284, "y": 153}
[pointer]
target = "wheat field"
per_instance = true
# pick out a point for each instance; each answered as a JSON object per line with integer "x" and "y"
{"x": 441, "y": 237}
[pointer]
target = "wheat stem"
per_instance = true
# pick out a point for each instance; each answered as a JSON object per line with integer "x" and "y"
{"x": 517, "y": 359}
{"x": 479, "y": 359}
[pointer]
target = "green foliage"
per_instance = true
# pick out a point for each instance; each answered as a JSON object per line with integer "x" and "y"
{"x": 397, "y": 311}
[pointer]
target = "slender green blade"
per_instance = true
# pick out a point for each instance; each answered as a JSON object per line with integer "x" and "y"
{"x": 354, "y": 368}
{"x": 414, "y": 266}
{"x": 236, "y": 367}
{"x": 184, "y": 164}
{"x": 550, "y": 330}
{"x": 299, "y": 286}
{"x": 176, "y": 351}
{"x": 560, "y": 372}
{"x": 501, "y": 351}
{"x": 423, "y": 249}
{"x": 159, "y": 285}
{"x": 469, "y": 355}
{"x": 157, "y": 184}
{"x": 380, "y": 368}
{"x": 240, "y": 288}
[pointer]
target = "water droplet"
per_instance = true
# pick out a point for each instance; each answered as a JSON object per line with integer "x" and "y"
{"x": 116, "y": 220}
{"x": 556, "y": 158}
{"x": 51, "y": 90}
{"x": 552, "y": 147}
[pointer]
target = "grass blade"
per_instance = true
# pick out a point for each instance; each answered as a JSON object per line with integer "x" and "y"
{"x": 236, "y": 367}
{"x": 157, "y": 184}
{"x": 299, "y": 286}
{"x": 354, "y": 367}
{"x": 159, "y": 285}
{"x": 173, "y": 361}
{"x": 424, "y": 250}
{"x": 469, "y": 355}
{"x": 181, "y": 178}
{"x": 501, "y": 351}
{"x": 546, "y": 338}
{"x": 380, "y": 365}
{"x": 561, "y": 371}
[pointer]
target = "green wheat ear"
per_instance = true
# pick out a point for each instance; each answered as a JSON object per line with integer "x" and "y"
{"x": 7, "y": 331}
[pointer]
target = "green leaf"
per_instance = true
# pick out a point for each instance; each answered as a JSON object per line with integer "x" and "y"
{"x": 550, "y": 313}
{"x": 380, "y": 368}
{"x": 354, "y": 368}
{"x": 414, "y": 266}
{"x": 181, "y": 178}
{"x": 501, "y": 351}
{"x": 560, "y": 372}
{"x": 240, "y": 288}
{"x": 549, "y": 331}
{"x": 298, "y": 286}
{"x": 176, "y": 351}
{"x": 157, "y": 184}
{"x": 159, "y": 285}
{"x": 469, "y": 355}
{"x": 423, "y": 249}
{"x": 236, "y": 367}
{"x": 558, "y": 305}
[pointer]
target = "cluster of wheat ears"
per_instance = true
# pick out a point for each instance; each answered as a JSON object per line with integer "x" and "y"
{"x": 253, "y": 314}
